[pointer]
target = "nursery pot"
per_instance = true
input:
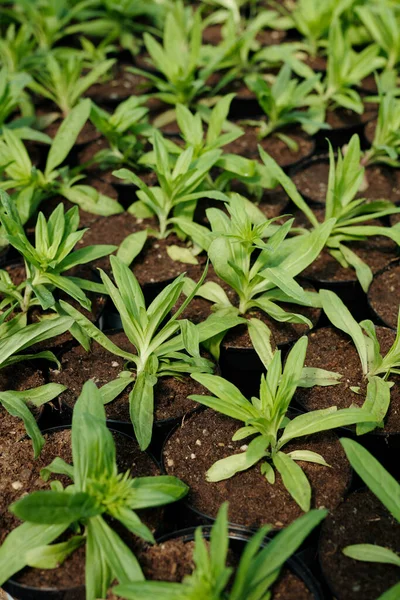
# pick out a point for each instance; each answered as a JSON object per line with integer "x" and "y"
{"x": 21, "y": 591}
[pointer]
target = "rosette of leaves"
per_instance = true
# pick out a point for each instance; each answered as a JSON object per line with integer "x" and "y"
{"x": 267, "y": 422}
{"x": 13, "y": 99}
{"x": 284, "y": 103}
{"x": 351, "y": 215}
{"x": 345, "y": 69}
{"x": 60, "y": 78}
{"x": 16, "y": 338}
{"x": 183, "y": 78}
{"x": 376, "y": 368}
{"x": 239, "y": 44}
{"x": 32, "y": 185}
{"x": 387, "y": 490}
{"x": 18, "y": 49}
{"x": 163, "y": 347}
{"x": 47, "y": 261}
{"x": 207, "y": 130}
{"x": 382, "y": 21}
{"x": 256, "y": 261}
{"x": 97, "y": 492}
{"x": 259, "y": 566}
{"x": 181, "y": 185}
{"x": 49, "y": 21}
{"x": 126, "y": 132}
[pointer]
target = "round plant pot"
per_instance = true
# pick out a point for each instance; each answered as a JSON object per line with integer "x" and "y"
{"x": 333, "y": 350}
{"x": 360, "y": 519}
{"x": 190, "y": 450}
{"x": 383, "y": 296}
{"x": 23, "y": 591}
{"x": 237, "y": 541}
{"x": 344, "y": 124}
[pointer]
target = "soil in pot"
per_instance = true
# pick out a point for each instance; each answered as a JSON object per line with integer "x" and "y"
{"x": 361, "y": 519}
{"x": 331, "y": 349}
{"x": 77, "y": 366}
{"x": 383, "y": 295}
{"x": 311, "y": 181}
{"x": 87, "y": 134}
{"x": 22, "y": 475}
{"x": 86, "y": 219}
{"x": 23, "y": 376}
{"x": 121, "y": 86}
{"x": 344, "y": 123}
{"x": 172, "y": 560}
{"x": 212, "y": 35}
{"x": 153, "y": 267}
{"x": 247, "y": 145}
{"x": 206, "y": 437}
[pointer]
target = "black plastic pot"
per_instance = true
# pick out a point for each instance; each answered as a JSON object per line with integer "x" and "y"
{"x": 375, "y": 311}
{"x": 237, "y": 542}
{"x": 338, "y": 136}
{"x": 20, "y": 591}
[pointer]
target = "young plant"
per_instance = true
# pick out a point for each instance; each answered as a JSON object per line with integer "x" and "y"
{"x": 98, "y": 492}
{"x": 183, "y": 80}
{"x": 61, "y": 79}
{"x": 376, "y": 368}
{"x": 49, "y": 21}
{"x": 179, "y": 187}
{"x": 126, "y": 131}
{"x": 281, "y": 103}
{"x": 208, "y": 130}
{"x": 18, "y": 49}
{"x": 162, "y": 348}
{"x": 33, "y": 185}
{"x": 345, "y": 69}
{"x": 12, "y": 100}
{"x": 16, "y": 337}
{"x": 260, "y": 272}
{"x": 351, "y": 215}
{"x": 385, "y": 146}
{"x": 259, "y": 566}
{"x": 387, "y": 490}
{"x": 50, "y": 257}
{"x": 382, "y": 22}
{"x": 267, "y": 422}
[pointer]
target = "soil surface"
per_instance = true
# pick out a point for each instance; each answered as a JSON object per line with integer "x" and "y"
{"x": 333, "y": 350}
{"x": 122, "y": 85}
{"x": 384, "y": 294}
{"x": 23, "y": 376}
{"x": 312, "y": 182}
{"x": 23, "y": 476}
{"x": 173, "y": 560}
{"x": 212, "y": 35}
{"x": 376, "y": 251}
{"x": 361, "y": 519}
{"x": 207, "y": 437}
{"x": 77, "y": 366}
{"x": 247, "y": 145}
{"x": 343, "y": 118}
{"x": 87, "y": 134}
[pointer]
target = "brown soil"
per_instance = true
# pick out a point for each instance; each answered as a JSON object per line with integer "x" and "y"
{"x": 123, "y": 85}
{"x": 173, "y": 560}
{"x": 317, "y": 63}
{"x": 212, "y": 35}
{"x": 77, "y": 366}
{"x": 87, "y": 134}
{"x": 312, "y": 183}
{"x": 342, "y": 118}
{"x": 247, "y": 145}
{"x": 23, "y": 476}
{"x": 361, "y": 519}
{"x": 207, "y": 437}
{"x": 384, "y": 293}
{"x": 376, "y": 251}
{"x": 333, "y": 350}
{"x": 23, "y": 376}
{"x": 86, "y": 219}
